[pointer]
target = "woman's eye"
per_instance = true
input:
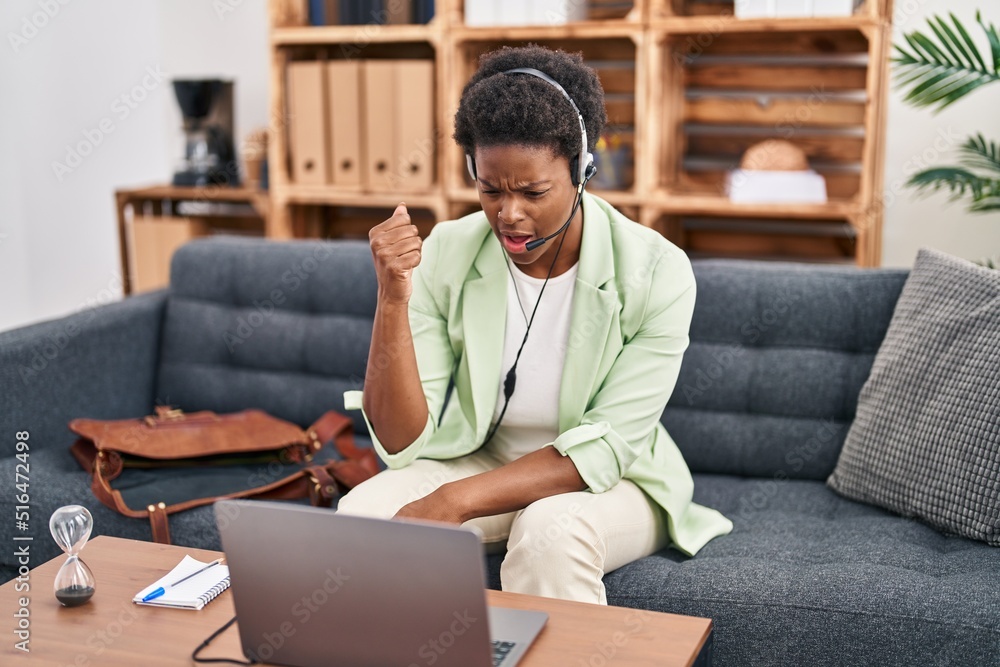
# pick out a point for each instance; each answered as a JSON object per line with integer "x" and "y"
{"x": 535, "y": 193}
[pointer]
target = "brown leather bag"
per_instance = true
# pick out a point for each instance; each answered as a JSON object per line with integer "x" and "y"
{"x": 248, "y": 440}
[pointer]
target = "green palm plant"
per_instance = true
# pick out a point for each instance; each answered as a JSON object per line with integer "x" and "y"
{"x": 938, "y": 73}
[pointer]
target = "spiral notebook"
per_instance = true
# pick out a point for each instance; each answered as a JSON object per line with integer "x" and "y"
{"x": 194, "y": 593}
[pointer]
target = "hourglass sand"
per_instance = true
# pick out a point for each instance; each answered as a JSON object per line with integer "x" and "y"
{"x": 70, "y": 527}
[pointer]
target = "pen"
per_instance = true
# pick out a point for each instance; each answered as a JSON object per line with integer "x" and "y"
{"x": 161, "y": 591}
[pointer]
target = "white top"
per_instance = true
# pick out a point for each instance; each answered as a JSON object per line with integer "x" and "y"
{"x": 532, "y": 417}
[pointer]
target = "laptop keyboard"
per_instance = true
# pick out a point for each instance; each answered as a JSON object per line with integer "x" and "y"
{"x": 500, "y": 651}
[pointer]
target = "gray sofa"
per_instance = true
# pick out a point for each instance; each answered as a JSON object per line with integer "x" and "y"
{"x": 766, "y": 394}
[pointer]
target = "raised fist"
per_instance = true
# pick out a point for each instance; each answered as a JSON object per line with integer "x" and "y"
{"x": 395, "y": 247}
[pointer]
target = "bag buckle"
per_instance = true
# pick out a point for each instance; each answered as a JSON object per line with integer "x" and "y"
{"x": 164, "y": 413}
{"x": 323, "y": 491}
{"x": 314, "y": 440}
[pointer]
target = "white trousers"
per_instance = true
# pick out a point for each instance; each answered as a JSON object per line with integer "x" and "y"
{"x": 558, "y": 547}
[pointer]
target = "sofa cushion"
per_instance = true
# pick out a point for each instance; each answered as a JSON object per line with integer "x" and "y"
{"x": 281, "y": 326}
{"x": 926, "y": 441}
{"x": 805, "y": 570}
{"x": 777, "y": 357}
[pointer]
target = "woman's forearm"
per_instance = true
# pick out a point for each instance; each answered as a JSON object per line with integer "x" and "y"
{"x": 394, "y": 398}
{"x": 513, "y": 487}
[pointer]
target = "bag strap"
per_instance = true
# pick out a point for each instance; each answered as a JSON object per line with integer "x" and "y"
{"x": 338, "y": 427}
{"x": 159, "y": 523}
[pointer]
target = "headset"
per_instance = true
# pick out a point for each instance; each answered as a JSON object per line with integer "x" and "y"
{"x": 582, "y": 167}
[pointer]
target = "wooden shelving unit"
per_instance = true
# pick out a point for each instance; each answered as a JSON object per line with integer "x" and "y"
{"x": 688, "y": 86}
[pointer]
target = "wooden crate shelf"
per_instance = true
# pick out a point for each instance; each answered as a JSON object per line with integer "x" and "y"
{"x": 360, "y": 35}
{"x": 716, "y": 25}
{"x": 688, "y": 87}
{"x": 715, "y": 205}
{"x": 311, "y": 194}
{"x": 599, "y": 11}
{"x": 715, "y": 9}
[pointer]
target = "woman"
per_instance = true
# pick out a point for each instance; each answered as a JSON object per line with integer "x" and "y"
{"x": 562, "y": 460}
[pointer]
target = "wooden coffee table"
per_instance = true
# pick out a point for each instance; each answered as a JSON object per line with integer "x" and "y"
{"x": 110, "y": 630}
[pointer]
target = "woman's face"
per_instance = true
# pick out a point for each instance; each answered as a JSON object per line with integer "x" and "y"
{"x": 527, "y": 194}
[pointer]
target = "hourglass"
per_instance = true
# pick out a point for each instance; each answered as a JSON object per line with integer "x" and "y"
{"x": 70, "y": 527}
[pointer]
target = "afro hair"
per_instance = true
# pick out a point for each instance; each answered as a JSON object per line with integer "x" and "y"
{"x": 498, "y": 109}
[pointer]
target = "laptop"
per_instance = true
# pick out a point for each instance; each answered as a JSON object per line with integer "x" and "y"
{"x": 314, "y": 588}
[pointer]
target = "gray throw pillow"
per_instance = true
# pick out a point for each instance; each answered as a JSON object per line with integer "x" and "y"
{"x": 926, "y": 438}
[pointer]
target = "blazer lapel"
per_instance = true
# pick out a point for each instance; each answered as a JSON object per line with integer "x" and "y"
{"x": 484, "y": 313}
{"x": 594, "y": 324}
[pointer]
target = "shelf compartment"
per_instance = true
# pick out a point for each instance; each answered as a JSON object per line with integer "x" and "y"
{"x": 721, "y": 95}
{"x": 598, "y": 12}
{"x": 821, "y": 240}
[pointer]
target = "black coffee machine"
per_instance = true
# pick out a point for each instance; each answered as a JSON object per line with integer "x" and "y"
{"x": 209, "y": 153}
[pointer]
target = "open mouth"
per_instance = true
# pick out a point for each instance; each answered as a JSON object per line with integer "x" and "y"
{"x": 515, "y": 242}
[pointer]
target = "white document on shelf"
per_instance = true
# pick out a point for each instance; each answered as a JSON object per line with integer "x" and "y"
{"x": 753, "y": 186}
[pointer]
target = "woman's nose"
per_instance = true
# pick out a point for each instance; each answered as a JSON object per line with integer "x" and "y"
{"x": 511, "y": 212}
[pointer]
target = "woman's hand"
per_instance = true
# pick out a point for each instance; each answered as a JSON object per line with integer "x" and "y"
{"x": 437, "y": 506}
{"x": 395, "y": 247}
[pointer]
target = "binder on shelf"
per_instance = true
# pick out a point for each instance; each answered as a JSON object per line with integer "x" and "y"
{"x": 414, "y": 113}
{"x": 376, "y": 11}
{"x": 324, "y": 12}
{"x": 307, "y": 136}
{"x": 317, "y": 12}
{"x": 399, "y": 12}
{"x": 349, "y": 12}
{"x": 380, "y": 112}
{"x": 345, "y": 121}
{"x": 423, "y": 11}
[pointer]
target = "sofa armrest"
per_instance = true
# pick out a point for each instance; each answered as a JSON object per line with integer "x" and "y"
{"x": 98, "y": 363}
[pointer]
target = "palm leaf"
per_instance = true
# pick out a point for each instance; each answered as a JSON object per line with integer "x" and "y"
{"x": 994, "y": 39}
{"x": 941, "y": 72}
{"x": 977, "y": 153}
{"x": 959, "y": 182}
{"x": 968, "y": 41}
{"x": 950, "y": 41}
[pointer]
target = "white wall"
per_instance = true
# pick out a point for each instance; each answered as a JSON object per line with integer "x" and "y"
{"x": 918, "y": 138}
{"x": 61, "y": 247}
{"x": 58, "y": 238}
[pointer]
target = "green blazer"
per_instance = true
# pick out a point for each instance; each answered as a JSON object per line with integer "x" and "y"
{"x": 631, "y": 313}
